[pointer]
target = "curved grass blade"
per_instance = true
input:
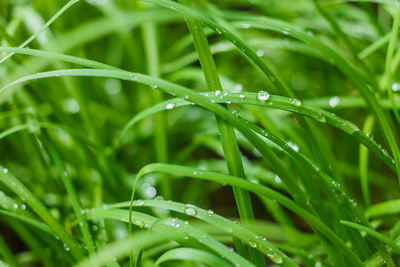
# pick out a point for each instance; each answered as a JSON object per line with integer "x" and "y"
{"x": 245, "y": 98}
{"x": 253, "y": 240}
{"x": 276, "y": 102}
{"x": 243, "y": 126}
{"x": 33, "y": 222}
{"x": 371, "y": 232}
{"x": 257, "y": 189}
{"x": 190, "y": 254}
{"x": 177, "y": 229}
{"x": 390, "y": 207}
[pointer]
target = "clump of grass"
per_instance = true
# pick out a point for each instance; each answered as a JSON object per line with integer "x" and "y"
{"x": 184, "y": 133}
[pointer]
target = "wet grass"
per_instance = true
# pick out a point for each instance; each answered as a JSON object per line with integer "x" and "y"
{"x": 155, "y": 132}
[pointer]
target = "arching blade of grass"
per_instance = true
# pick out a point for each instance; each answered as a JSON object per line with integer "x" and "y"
{"x": 245, "y": 98}
{"x": 276, "y": 102}
{"x": 147, "y": 239}
{"x": 52, "y": 55}
{"x": 220, "y": 222}
{"x": 390, "y": 207}
{"x": 373, "y": 233}
{"x": 190, "y": 254}
{"x": 19, "y": 189}
{"x": 28, "y": 220}
{"x": 173, "y": 227}
{"x": 223, "y": 113}
{"x": 257, "y": 189}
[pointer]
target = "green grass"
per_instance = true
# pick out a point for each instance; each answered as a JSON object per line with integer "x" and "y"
{"x": 199, "y": 133}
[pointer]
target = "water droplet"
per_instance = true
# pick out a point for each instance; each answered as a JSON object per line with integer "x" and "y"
{"x": 246, "y": 25}
{"x": 218, "y": 30}
{"x": 275, "y": 258}
{"x": 370, "y": 135}
{"x": 210, "y": 212}
{"x": 217, "y": 92}
{"x": 295, "y": 102}
{"x": 23, "y": 207}
{"x": 189, "y": 210}
{"x": 277, "y": 179}
{"x": 286, "y": 31}
{"x": 395, "y": 87}
{"x": 293, "y": 145}
{"x": 195, "y": 173}
{"x": 263, "y": 96}
{"x": 334, "y": 101}
{"x": 242, "y": 96}
{"x": 5, "y": 170}
{"x": 252, "y": 244}
{"x": 260, "y": 52}
{"x": 139, "y": 203}
{"x": 170, "y": 106}
{"x": 139, "y": 223}
{"x": 150, "y": 192}
{"x": 82, "y": 211}
{"x": 15, "y": 206}
{"x": 154, "y": 86}
{"x": 177, "y": 225}
{"x": 319, "y": 117}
